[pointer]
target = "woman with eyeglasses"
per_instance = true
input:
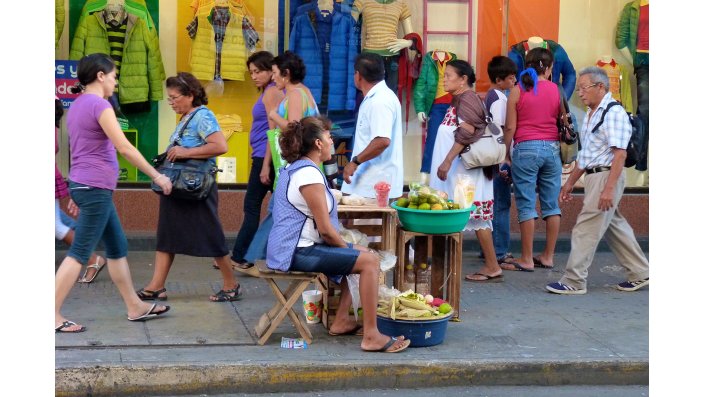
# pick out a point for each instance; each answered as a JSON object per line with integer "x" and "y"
{"x": 94, "y": 136}
{"x": 533, "y": 109}
{"x": 191, "y": 227}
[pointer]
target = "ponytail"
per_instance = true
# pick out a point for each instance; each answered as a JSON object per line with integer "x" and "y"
{"x": 537, "y": 62}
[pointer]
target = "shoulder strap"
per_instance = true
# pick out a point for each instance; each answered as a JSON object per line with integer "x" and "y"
{"x": 602, "y": 119}
{"x": 181, "y": 132}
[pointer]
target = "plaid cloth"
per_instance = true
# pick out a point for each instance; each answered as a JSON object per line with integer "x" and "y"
{"x": 219, "y": 18}
{"x": 250, "y": 34}
{"x": 614, "y": 132}
{"x": 192, "y": 28}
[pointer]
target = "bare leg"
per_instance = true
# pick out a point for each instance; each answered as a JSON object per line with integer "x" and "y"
{"x": 162, "y": 265}
{"x": 343, "y": 321}
{"x": 65, "y": 278}
{"x": 68, "y": 239}
{"x": 527, "y": 247}
{"x": 553, "y": 223}
{"x": 120, "y": 274}
{"x": 229, "y": 281}
{"x": 491, "y": 267}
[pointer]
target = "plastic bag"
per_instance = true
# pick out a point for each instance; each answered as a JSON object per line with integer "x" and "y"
{"x": 372, "y": 175}
{"x": 353, "y": 236}
{"x": 464, "y": 190}
{"x": 387, "y": 260}
{"x": 425, "y": 198}
{"x": 354, "y": 288}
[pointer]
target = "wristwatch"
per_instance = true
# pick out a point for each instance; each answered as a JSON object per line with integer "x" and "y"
{"x": 355, "y": 160}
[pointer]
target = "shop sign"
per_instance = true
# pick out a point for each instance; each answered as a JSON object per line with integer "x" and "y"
{"x": 65, "y": 77}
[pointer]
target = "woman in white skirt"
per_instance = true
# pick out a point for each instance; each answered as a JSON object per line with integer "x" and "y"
{"x": 463, "y": 124}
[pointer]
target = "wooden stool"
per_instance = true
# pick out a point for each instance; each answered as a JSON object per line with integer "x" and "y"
{"x": 298, "y": 281}
{"x": 446, "y": 262}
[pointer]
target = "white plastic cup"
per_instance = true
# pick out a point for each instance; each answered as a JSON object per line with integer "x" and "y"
{"x": 312, "y": 305}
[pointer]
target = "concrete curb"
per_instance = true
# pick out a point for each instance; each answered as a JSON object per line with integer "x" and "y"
{"x": 276, "y": 378}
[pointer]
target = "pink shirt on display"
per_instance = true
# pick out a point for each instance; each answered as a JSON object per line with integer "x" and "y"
{"x": 537, "y": 114}
{"x": 93, "y": 158}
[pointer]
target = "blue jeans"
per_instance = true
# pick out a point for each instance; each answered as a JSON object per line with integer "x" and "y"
{"x": 500, "y": 222}
{"x": 258, "y": 246}
{"x": 536, "y": 163}
{"x": 97, "y": 220}
{"x": 256, "y": 191}
{"x": 435, "y": 117}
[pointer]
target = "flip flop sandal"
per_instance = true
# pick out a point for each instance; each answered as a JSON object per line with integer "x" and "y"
{"x": 97, "y": 266}
{"x": 488, "y": 279}
{"x": 515, "y": 267}
{"x": 538, "y": 263}
{"x": 147, "y": 295}
{"x": 61, "y": 328}
{"x": 150, "y": 314}
{"x": 224, "y": 296}
{"x": 386, "y": 347}
{"x": 357, "y": 331}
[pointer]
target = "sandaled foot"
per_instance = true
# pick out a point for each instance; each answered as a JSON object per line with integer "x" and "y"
{"x": 147, "y": 295}
{"x": 153, "y": 312}
{"x": 515, "y": 266}
{"x": 230, "y": 295}
{"x": 69, "y": 327}
{"x": 484, "y": 278}
{"x": 356, "y": 330}
{"x": 93, "y": 270}
{"x": 539, "y": 263}
{"x": 394, "y": 345}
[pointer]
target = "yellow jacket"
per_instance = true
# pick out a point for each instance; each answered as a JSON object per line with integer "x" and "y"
{"x": 233, "y": 54}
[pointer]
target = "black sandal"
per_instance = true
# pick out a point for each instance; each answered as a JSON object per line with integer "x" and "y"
{"x": 147, "y": 295}
{"x": 224, "y": 296}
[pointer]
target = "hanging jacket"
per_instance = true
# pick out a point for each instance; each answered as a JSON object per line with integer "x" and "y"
{"x": 563, "y": 70}
{"x": 288, "y": 220}
{"x": 141, "y": 71}
{"x": 627, "y": 29}
{"x": 427, "y": 83}
{"x": 344, "y": 47}
{"x": 203, "y": 51}
{"x": 60, "y": 15}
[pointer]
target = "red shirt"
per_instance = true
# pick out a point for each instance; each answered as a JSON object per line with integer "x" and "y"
{"x": 642, "y": 35}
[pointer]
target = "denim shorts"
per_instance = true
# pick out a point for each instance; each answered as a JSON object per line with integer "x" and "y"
{"x": 322, "y": 258}
{"x": 536, "y": 164}
{"x": 97, "y": 220}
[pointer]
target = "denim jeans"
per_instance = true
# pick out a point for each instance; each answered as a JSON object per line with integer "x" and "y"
{"x": 642, "y": 99}
{"x": 536, "y": 163}
{"x": 500, "y": 222}
{"x": 391, "y": 72}
{"x": 435, "y": 117}
{"x": 256, "y": 191}
{"x": 97, "y": 220}
{"x": 258, "y": 247}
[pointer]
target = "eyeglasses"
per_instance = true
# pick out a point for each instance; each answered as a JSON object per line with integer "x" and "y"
{"x": 173, "y": 98}
{"x": 586, "y": 87}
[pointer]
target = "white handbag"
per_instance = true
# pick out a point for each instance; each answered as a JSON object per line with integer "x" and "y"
{"x": 488, "y": 150}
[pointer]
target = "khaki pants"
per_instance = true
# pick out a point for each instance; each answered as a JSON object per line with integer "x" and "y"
{"x": 592, "y": 224}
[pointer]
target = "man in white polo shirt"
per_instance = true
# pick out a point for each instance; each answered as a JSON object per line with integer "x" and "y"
{"x": 378, "y": 134}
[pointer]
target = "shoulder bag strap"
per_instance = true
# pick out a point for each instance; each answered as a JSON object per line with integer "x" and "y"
{"x": 602, "y": 119}
{"x": 181, "y": 132}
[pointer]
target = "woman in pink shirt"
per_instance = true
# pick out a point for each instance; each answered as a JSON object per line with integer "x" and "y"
{"x": 532, "y": 113}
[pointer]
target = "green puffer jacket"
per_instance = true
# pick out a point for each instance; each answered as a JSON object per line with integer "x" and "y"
{"x": 60, "y": 14}
{"x": 627, "y": 29}
{"x": 141, "y": 71}
{"x": 427, "y": 83}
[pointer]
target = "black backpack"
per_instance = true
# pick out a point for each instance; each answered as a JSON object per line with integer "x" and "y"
{"x": 636, "y": 148}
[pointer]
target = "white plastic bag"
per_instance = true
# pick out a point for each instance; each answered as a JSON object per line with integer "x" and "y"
{"x": 387, "y": 261}
{"x": 354, "y": 287}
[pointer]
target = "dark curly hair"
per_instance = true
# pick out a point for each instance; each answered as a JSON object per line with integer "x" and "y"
{"x": 188, "y": 84}
{"x": 299, "y": 137}
{"x": 292, "y": 66}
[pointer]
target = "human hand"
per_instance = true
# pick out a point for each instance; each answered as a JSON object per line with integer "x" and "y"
{"x": 176, "y": 152}
{"x": 565, "y": 194}
{"x": 442, "y": 171}
{"x": 505, "y": 172}
{"x": 606, "y": 199}
{"x": 264, "y": 175}
{"x": 349, "y": 171}
{"x": 421, "y": 116}
{"x": 164, "y": 183}
{"x": 272, "y": 113}
{"x": 72, "y": 208}
{"x": 398, "y": 44}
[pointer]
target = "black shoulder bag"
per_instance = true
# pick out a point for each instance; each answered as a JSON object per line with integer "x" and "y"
{"x": 191, "y": 179}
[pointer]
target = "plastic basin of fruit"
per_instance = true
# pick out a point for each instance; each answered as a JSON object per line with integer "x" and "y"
{"x": 421, "y": 332}
{"x": 432, "y": 222}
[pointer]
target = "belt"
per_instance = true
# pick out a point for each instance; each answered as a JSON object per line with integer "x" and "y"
{"x": 596, "y": 169}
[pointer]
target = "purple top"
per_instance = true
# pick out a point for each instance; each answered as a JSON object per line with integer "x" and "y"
{"x": 93, "y": 158}
{"x": 258, "y": 134}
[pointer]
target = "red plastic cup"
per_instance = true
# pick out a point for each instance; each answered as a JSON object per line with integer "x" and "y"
{"x": 382, "y": 195}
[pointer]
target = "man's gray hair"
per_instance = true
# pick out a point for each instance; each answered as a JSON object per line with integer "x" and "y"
{"x": 597, "y": 75}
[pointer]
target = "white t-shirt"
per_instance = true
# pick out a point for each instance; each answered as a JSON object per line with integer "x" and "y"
{"x": 379, "y": 116}
{"x": 496, "y": 103}
{"x": 302, "y": 177}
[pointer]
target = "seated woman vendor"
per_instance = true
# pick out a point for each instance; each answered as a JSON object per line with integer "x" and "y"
{"x": 305, "y": 233}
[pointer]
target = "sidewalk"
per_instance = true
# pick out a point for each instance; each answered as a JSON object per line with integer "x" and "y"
{"x": 511, "y": 333}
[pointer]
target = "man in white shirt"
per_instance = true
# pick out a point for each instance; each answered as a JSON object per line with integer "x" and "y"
{"x": 377, "y": 152}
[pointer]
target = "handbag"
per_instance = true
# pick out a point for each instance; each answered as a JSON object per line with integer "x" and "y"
{"x": 567, "y": 136}
{"x": 489, "y": 149}
{"x": 191, "y": 179}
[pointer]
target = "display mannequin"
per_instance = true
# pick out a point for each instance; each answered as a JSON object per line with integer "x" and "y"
{"x": 620, "y": 84}
{"x": 632, "y": 39}
{"x": 431, "y": 101}
{"x": 380, "y": 22}
{"x": 563, "y": 70}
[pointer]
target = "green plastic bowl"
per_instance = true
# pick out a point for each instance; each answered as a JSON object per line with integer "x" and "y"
{"x": 432, "y": 222}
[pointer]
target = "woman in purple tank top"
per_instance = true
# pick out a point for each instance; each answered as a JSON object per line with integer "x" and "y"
{"x": 261, "y": 172}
